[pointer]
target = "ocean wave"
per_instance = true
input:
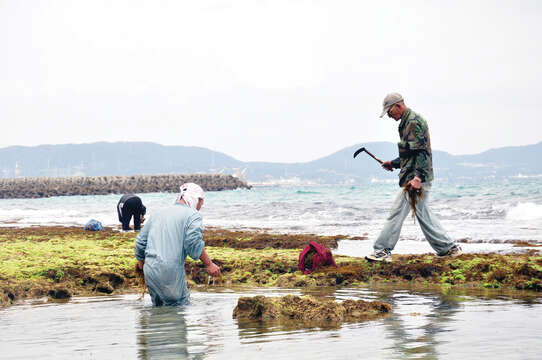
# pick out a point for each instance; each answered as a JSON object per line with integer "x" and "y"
{"x": 525, "y": 211}
{"x": 521, "y": 176}
{"x": 383, "y": 181}
{"x": 324, "y": 210}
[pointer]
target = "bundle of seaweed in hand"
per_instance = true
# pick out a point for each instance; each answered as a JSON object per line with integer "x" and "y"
{"x": 140, "y": 277}
{"x": 414, "y": 196}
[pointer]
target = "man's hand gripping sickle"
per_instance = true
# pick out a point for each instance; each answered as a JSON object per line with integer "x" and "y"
{"x": 386, "y": 165}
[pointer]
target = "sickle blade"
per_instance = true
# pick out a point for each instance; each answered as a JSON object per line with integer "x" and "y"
{"x": 358, "y": 151}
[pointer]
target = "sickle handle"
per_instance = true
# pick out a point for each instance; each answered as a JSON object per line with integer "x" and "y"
{"x": 374, "y": 157}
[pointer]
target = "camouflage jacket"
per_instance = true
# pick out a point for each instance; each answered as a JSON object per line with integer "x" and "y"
{"x": 414, "y": 149}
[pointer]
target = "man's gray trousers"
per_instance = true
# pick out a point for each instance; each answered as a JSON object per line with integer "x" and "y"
{"x": 431, "y": 228}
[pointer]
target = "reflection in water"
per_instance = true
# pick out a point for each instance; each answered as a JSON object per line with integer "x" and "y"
{"x": 162, "y": 333}
{"x": 413, "y": 333}
{"x": 182, "y": 332}
{"x": 423, "y": 324}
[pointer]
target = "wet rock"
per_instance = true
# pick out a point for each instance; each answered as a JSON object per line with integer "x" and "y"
{"x": 59, "y": 294}
{"x": 37, "y": 292}
{"x": 308, "y": 310}
{"x": 115, "y": 280}
{"x": 4, "y": 300}
{"x": 529, "y": 270}
{"x": 104, "y": 288}
{"x": 295, "y": 280}
{"x": 88, "y": 280}
{"x": 533, "y": 284}
{"x": 107, "y": 282}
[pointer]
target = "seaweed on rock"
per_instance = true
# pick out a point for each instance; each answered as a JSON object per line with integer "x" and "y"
{"x": 307, "y": 310}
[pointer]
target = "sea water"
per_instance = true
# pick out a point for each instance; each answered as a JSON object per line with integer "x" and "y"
{"x": 423, "y": 324}
{"x": 485, "y": 215}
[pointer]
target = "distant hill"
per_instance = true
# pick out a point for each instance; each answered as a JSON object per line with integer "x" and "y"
{"x": 103, "y": 158}
{"x": 501, "y": 162}
{"x": 135, "y": 158}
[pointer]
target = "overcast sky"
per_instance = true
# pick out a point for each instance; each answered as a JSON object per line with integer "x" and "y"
{"x": 271, "y": 80}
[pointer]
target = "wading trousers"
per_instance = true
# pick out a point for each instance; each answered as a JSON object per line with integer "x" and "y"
{"x": 431, "y": 228}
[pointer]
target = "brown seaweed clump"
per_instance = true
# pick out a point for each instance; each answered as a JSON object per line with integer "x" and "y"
{"x": 307, "y": 310}
{"x": 309, "y": 259}
{"x": 262, "y": 239}
{"x": 140, "y": 277}
{"x": 414, "y": 196}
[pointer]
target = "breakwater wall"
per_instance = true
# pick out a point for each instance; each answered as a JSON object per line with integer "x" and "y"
{"x": 101, "y": 185}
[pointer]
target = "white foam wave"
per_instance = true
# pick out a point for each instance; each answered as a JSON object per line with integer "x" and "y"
{"x": 525, "y": 211}
{"x": 521, "y": 176}
{"x": 383, "y": 181}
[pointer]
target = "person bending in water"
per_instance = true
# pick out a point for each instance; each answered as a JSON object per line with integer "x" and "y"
{"x": 131, "y": 205}
{"x": 162, "y": 246}
{"x": 416, "y": 174}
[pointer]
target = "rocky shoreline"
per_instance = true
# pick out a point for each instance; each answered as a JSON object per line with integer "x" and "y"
{"x": 102, "y": 185}
{"x": 61, "y": 262}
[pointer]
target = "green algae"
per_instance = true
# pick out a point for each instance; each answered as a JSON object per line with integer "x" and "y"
{"x": 28, "y": 259}
{"x": 61, "y": 262}
{"x": 40, "y": 261}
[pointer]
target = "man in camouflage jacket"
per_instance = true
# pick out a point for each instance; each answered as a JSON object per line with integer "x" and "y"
{"x": 415, "y": 162}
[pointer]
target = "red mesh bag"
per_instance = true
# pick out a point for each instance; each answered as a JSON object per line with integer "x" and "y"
{"x": 313, "y": 256}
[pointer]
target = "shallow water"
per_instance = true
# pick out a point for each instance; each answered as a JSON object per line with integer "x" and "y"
{"x": 423, "y": 324}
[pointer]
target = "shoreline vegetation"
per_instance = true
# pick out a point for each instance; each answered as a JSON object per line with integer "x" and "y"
{"x": 61, "y": 262}
{"x": 39, "y": 187}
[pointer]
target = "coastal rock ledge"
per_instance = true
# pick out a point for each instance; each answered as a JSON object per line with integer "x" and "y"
{"x": 40, "y": 187}
{"x": 307, "y": 310}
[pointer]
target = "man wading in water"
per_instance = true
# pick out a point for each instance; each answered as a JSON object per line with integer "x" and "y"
{"x": 415, "y": 176}
{"x": 162, "y": 246}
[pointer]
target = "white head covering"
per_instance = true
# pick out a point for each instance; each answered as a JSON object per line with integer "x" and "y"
{"x": 191, "y": 193}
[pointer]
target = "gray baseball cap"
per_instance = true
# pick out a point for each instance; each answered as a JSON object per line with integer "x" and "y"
{"x": 389, "y": 100}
